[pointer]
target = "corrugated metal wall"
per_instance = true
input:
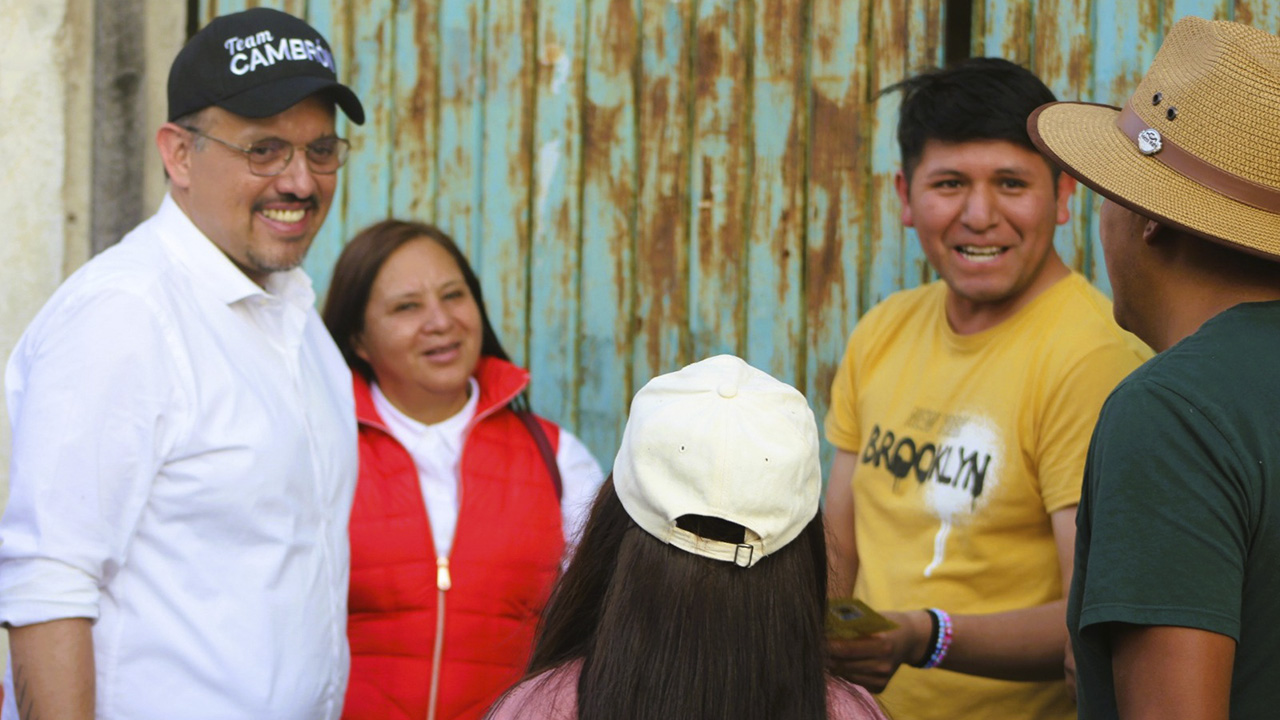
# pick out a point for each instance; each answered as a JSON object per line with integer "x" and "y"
{"x": 642, "y": 183}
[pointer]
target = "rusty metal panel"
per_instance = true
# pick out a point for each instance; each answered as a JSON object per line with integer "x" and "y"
{"x": 328, "y": 17}
{"x": 1264, "y": 14}
{"x": 716, "y": 177}
{"x": 1175, "y": 10}
{"x": 662, "y": 213}
{"x": 884, "y": 237}
{"x": 1006, "y": 29}
{"x": 643, "y": 183}
{"x": 901, "y": 45}
{"x": 459, "y": 128}
{"x": 369, "y": 65}
{"x": 610, "y": 176}
{"x": 926, "y": 49}
{"x": 836, "y": 213}
{"x": 774, "y": 322}
{"x": 415, "y": 111}
{"x": 1061, "y": 58}
{"x": 501, "y": 249}
{"x": 1125, "y": 38}
{"x": 557, "y": 213}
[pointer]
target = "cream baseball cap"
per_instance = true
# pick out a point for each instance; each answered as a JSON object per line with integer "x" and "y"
{"x": 720, "y": 439}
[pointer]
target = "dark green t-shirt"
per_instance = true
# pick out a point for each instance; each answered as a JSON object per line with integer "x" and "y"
{"x": 1179, "y": 520}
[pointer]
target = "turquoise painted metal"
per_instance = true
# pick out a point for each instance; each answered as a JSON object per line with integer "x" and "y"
{"x": 641, "y": 183}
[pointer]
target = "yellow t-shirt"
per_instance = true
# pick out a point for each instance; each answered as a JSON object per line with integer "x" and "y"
{"x": 966, "y": 444}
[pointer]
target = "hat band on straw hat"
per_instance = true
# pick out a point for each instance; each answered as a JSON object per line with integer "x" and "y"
{"x": 1192, "y": 167}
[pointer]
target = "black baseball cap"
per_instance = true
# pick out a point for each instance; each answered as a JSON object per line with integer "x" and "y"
{"x": 256, "y": 63}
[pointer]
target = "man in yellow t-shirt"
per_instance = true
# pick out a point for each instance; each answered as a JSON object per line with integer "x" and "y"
{"x": 961, "y": 413}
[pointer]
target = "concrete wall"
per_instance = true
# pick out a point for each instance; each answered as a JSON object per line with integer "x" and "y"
{"x": 44, "y": 187}
{"x": 48, "y": 132}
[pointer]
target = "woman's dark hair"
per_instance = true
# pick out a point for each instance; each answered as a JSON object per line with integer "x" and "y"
{"x": 664, "y": 633}
{"x": 976, "y": 99}
{"x": 358, "y": 267}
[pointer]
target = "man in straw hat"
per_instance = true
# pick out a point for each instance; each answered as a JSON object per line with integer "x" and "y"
{"x": 1172, "y": 610}
{"x": 961, "y": 414}
{"x": 184, "y": 442}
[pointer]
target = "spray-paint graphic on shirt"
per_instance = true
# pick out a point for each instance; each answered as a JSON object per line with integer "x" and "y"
{"x": 956, "y": 471}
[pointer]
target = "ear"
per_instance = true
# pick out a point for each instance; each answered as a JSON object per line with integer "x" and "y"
{"x": 1153, "y": 232}
{"x": 357, "y": 346}
{"x": 176, "y": 147}
{"x": 901, "y": 184}
{"x": 1066, "y": 186}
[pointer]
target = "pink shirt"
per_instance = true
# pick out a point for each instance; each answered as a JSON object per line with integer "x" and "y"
{"x": 553, "y": 695}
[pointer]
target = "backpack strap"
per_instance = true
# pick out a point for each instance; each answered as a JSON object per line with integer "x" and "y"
{"x": 544, "y": 448}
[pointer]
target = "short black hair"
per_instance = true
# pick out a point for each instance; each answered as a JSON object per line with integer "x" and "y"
{"x": 976, "y": 99}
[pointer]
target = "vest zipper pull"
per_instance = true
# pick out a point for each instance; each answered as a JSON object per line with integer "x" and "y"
{"x": 443, "y": 580}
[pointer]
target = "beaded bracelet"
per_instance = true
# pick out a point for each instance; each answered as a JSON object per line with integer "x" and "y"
{"x": 932, "y": 643}
{"x": 944, "y": 635}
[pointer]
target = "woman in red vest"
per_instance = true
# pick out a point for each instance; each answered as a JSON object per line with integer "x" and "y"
{"x": 465, "y": 498}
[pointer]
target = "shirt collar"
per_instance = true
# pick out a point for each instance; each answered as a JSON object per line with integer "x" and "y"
{"x": 405, "y": 428}
{"x": 213, "y": 269}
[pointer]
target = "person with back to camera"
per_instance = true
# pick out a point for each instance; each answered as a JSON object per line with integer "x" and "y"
{"x": 1172, "y": 610}
{"x": 698, "y": 589}
{"x": 466, "y": 501}
{"x": 961, "y": 414}
{"x": 184, "y": 451}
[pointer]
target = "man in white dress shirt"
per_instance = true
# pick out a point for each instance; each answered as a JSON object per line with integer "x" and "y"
{"x": 184, "y": 441}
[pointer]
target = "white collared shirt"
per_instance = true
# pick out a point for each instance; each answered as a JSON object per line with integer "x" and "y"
{"x": 184, "y": 461}
{"x": 436, "y": 450}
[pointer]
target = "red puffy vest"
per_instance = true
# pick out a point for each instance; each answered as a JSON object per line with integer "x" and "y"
{"x": 506, "y": 554}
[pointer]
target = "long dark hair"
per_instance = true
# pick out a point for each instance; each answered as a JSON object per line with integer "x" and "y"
{"x": 663, "y": 633}
{"x": 358, "y": 267}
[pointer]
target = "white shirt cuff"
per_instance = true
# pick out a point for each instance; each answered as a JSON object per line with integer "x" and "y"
{"x": 35, "y": 590}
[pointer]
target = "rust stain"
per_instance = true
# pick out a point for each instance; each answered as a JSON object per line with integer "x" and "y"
{"x": 787, "y": 240}
{"x": 880, "y": 243}
{"x": 838, "y": 167}
{"x": 659, "y": 259}
{"x": 658, "y": 274}
{"x": 825, "y": 374}
{"x": 550, "y": 54}
{"x": 599, "y": 132}
{"x": 1016, "y": 44}
{"x": 890, "y": 40}
{"x": 426, "y": 86}
{"x": 781, "y": 36}
{"x": 1080, "y": 67}
{"x": 620, "y": 32}
{"x": 611, "y": 206}
{"x": 603, "y": 132}
{"x": 656, "y": 103}
{"x": 707, "y": 61}
{"x": 1047, "y": 62}
{"x": 1123, "y": 85}
{"x": 824, "y": 47}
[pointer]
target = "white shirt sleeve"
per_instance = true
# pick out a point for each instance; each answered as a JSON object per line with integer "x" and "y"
{"x": 581, "y": 478}
{"x": 90, "y": 394}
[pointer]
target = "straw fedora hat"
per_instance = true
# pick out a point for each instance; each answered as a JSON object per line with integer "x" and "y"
{"x": 1197, "y": 147}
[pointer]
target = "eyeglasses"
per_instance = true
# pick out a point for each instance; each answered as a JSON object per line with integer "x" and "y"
{"x": 270, "y": 157}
